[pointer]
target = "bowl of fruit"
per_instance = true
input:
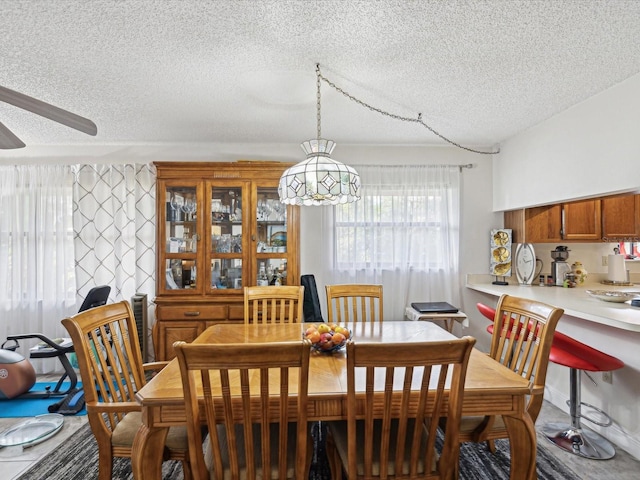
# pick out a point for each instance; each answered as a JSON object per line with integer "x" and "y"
{"x": 327, "y": 337}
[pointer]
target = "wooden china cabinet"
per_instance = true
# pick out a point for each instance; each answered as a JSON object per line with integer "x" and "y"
{"x": 219, "y": 226}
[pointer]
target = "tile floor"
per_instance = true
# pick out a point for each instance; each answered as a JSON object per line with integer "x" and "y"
{"x": 622, "y": 467}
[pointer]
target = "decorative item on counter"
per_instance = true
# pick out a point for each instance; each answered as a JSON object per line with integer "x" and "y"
{"x": 570, "y": 280}
{"x": 525, "y": 263}
{"x": 579, "y": 271}
{"x": 500, "y": 260}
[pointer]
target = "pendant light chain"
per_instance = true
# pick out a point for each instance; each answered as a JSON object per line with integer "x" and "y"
{"x": 390, "y": 115}
{"x": 318, "y": 76}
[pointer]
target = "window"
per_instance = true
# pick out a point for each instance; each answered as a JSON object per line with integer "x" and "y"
{"x": 405, "y": 224}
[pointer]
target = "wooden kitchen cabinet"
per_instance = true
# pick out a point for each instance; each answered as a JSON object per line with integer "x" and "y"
{"x": 535, "y": 225}
{"x": 572, "y": 221}
{"x": 218, "y": 225}
{"x": 582, "y": 220}
{"x": 621, "y": 218}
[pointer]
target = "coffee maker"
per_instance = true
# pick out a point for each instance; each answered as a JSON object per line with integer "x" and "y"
{"x": 559, "y": 266}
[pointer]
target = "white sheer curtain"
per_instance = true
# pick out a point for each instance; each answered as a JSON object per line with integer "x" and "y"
{"x": 403, "y": 234}
{"x": 37, "y": 277}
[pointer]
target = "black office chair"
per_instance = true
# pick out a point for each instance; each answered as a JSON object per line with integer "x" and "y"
{"x": 51, "y": 349}
{"x": 311, "y": 303}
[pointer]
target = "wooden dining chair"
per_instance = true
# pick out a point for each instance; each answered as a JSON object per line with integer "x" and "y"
{"x": 521, "y": 340}
{"x": 354, "y": 303}
{"x": 107, "y": 347}
{"x": 281, "y": 304}
{"x": 400, "y": 442}
{"x": 253, "y": 398}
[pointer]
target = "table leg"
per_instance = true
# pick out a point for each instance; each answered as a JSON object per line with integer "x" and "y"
{"x": 522, "y": 439}
{"x": 147, "y": 453}
{"x": 448, "y": 322}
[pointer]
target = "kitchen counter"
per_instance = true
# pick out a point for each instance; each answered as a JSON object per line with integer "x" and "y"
{"x": 575, "y": 301}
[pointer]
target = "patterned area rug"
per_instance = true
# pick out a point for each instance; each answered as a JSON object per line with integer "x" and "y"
{"x": 77, "y": 459}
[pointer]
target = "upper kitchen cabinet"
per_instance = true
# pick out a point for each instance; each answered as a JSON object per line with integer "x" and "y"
{"x": 573, "y": 221}
{"x": 582, "y": 221}
{"x": 621, "y": 218}
{"x": 535, "y": 225}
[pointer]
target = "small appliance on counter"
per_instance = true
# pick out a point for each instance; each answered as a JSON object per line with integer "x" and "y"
{"x": 559, "y": 266}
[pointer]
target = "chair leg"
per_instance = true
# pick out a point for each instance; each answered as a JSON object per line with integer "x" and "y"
{"x": 573, "y": 438}
{"x": 335, "y": 464}
{"x": 105, "y": 464}
{"x": 491, "y": 445}
{"x": 186, "y": 470}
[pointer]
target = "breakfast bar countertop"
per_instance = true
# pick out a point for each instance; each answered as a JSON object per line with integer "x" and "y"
{"x": 575, "y": 301}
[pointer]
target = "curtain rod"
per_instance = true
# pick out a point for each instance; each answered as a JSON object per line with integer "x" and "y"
{"x": 466, "y": 165}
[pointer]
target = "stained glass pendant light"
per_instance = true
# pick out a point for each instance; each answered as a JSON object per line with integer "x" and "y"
{"x": 319, "y": 180}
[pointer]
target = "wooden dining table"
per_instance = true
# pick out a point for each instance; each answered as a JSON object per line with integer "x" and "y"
{"x": 490, "y": 389}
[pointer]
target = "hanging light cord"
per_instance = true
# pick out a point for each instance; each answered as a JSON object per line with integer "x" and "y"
{"x": 318, "y": 77}
{"x": 387, "y": 114}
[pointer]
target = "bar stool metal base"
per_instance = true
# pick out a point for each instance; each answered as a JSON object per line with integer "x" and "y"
{"x": 579, "y": 441}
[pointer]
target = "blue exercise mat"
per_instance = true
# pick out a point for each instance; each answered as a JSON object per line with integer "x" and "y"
{"x": 30, "y": 407}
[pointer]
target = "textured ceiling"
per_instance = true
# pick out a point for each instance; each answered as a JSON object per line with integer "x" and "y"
{"x": 201, "y": 72}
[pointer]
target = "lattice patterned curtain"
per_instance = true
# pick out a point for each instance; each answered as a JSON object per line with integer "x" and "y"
{"x": 114, "y": 224}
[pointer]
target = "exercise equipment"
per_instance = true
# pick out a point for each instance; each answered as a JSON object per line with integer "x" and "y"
{"x": 17, "y": 374}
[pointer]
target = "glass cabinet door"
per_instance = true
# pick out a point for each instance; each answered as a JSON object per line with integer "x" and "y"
{"x": 181, "y": 235}
{"x": 271, "y": 238}
{"x": 228, "y": 237}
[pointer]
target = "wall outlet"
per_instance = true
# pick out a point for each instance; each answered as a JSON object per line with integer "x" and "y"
{"x": 605, "y": 260}
{"x": 607, "y": 377}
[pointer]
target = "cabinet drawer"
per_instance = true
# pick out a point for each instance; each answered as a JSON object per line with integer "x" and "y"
{"x": 192, "y": 312}
{"x": 236, "y": 312}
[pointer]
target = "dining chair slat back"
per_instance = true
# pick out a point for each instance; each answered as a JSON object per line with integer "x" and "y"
{"x": 521, "y": 340}
{"x": 251, "y": 434}
{"x": 428, "y": 378}
{"x": 273, "y": 304}
{"x": 354, "y": 303}
{"x": 107, "y": 347}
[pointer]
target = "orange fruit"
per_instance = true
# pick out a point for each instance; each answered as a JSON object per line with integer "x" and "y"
{"x": 338, "y": 338}
{"x": 344, "y": 331}
{"x": 314, "y": 337}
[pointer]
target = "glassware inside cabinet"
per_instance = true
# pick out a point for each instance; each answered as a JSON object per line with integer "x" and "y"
{"x": 226, "y": 273}
{"x": 272, "y": 222}
{"x": 275, "y": 270}
{"x": 180, "y": 273}
{"x": 181, "y": 231}
{"x": 226, "y": 220}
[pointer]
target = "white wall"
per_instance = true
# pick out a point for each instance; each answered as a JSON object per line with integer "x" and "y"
{"x": 588, "y": 150}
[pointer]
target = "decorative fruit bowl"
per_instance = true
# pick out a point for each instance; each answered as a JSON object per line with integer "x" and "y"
{"x": 327, "y": 338}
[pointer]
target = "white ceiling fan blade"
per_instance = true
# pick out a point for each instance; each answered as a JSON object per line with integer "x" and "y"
{"x": 48, "y": 111}
{"x": 8, "y": 140}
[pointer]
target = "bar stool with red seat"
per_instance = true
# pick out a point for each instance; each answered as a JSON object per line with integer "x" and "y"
{"x": 573, "y": 438}
{"x": 577, "y": 356}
